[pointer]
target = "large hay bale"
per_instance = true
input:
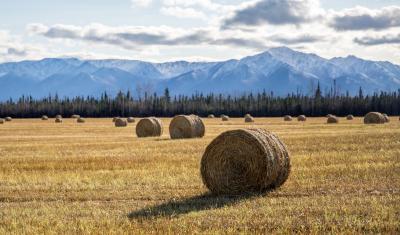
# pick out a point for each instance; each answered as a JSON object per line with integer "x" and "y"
{"x": 244, "y": 161}
{"x": 58, "y": 120}
{"x": 288, "y": 118}
{"x": 119, "y": 122}
{"x": 211, "y": 116}
{"x": 159, "y": 126}
{"x": 45, "y": 118}
{"x": 131, "y": 120}
{"x": 330, "y": 115}
{"x": 184, "y": 127}
{"x": 302, "y": 118}
{"x": 247, "y": 115}
{"x": 387, "y": 119}
{"x": 80, "y": 120}
{"x": 374, "y": 118}
{"x": 332, "y": 120}
{"x": 8, "y": 119}
{"x": 248, "y": 119}
{"x": 75, "y": 116}
{"x": 350, "y": 117}
{"x": 149, "y": 127}
{"x": 2, "y": 121}
{"x": 225, "y": 118}
{"x": 58, "y": 116}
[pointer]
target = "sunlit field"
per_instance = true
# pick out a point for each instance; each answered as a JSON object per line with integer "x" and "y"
{"x": 96, "y": 178}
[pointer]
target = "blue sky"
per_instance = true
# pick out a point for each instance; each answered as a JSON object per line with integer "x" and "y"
{"x": 165, "y": 30}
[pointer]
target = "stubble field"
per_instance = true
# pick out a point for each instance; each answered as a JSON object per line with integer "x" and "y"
{"x": 95, "y": 178}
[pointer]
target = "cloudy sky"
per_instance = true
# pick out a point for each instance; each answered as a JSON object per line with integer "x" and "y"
{"x": 197, "y": 30}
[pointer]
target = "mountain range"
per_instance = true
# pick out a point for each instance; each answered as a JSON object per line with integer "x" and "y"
{"x": 278, "y": 70}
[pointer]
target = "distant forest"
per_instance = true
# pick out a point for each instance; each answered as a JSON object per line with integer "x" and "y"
{"x": 261, "y": 104}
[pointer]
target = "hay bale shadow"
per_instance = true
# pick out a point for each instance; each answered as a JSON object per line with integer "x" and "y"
{"x": 174, "y": 208}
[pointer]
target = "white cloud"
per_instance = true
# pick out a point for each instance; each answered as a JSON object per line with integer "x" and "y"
{"x": 205, "y": 4}
{"x": 250, "y": 27}
{"x": 141, "y": 3}
{"x": 206, "y": 10}
{"x": 274, "y": 12}
{"x": 376, "y": 40}
{"x": 180, "y": 12}
{"x": 362, "y": 18}
{"x": 11, "y": 48}
{"x": 133, "y": 37}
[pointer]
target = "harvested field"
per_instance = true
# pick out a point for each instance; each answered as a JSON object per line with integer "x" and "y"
{"x": 96, "y": 178}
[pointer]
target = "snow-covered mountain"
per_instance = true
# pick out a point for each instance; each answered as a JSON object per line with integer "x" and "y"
{"x": 278, "y": 70}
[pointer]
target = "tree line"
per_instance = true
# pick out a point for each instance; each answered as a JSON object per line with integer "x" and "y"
{"x": 261, "y": 104}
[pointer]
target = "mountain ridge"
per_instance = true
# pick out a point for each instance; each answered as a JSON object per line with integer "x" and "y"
{"x": 278, "y": 70}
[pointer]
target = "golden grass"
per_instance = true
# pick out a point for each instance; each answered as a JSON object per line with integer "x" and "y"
{"x": 95, "y": 178}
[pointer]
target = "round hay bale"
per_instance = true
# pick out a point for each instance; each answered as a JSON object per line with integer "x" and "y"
{"x": 45, "y": 118}
{"x": 184, "y": 127}
{"x": 80, "y": 120}
{"x": 58, "y": 120}
{"x": 8, "y": 119}
{"x": 159, "y": 126}
{"x": 247, "y": 115}
{"x": 248, "y": 119}
{"x": 130, "y": 120}
{"x": 59, "y": 116}
{"x": 225, "y": 118}
{"x": 244, "y": 161}
{"x": 374, "y": 118}
{"x": 115, "y": 119}
{"x": 75, "y": 116}
{"x": 288, "y": 118}
{"x": 302, "y": 118}
{"x": 387, "y": 119}
{"x": 350, "y": 117}
{"x": 330, "y": 115}
{"x": 119, "y": 122}
{"x": 2, "y": 121}
{"x": 149, "y": 127}
{"x": 211, "y": 116}
{"x": 332, "y": 120}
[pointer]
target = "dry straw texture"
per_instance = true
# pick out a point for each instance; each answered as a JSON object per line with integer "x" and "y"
{"x": 301, "y": 118}
{"x": 119, "y": 122}
{"x": 288, "y": 118}
{"x": 131, "y": 120}
{"x": 8, "y": 119}
{"x": 330, "y": 115}
{"x": 76, "y": 116}
{"x": 374, "y": 118}
{"x": 58, "y": 120}
{"x": 243, "y": 161}
{"x": 248, "y": 119}
{"x": 45, "y": 118}
{"x": 332, "y": 120}
{"x": 225, "y": 118}
{"x": 58, "y": 116}
{"x": 211, "y": 116}
{"x": 149, "y": 127}
{"x": 2, "y": 121}
{"x": 350, "y": 117}
{"x": 80, "y": 120}
{"x": 184, "y": 127}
